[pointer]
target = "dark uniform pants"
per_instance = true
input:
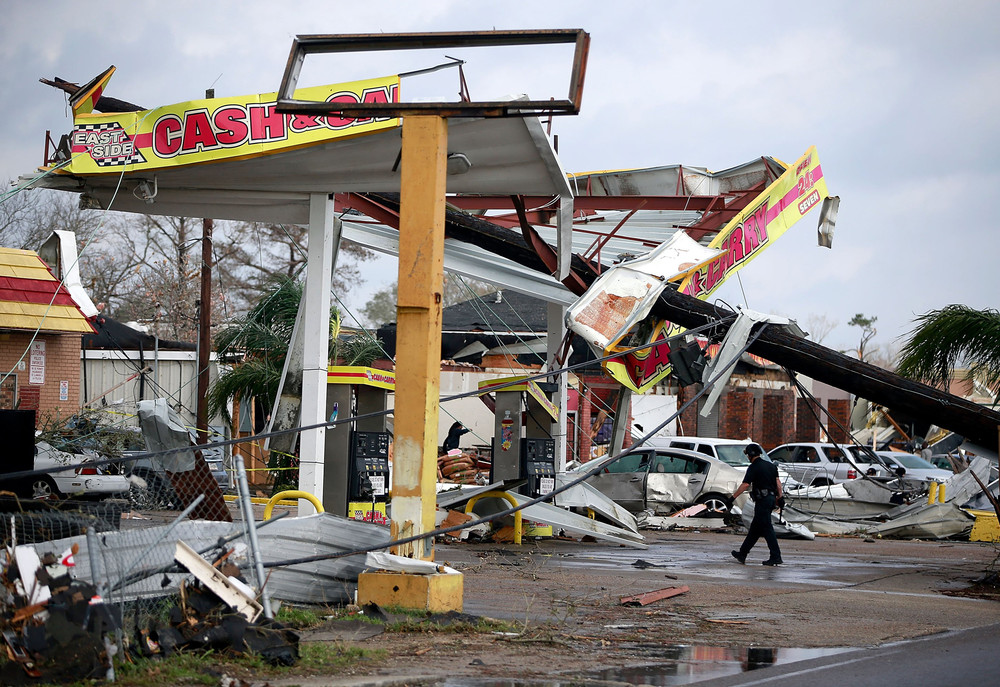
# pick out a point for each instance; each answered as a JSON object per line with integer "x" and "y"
{"x": 761, "y": 526}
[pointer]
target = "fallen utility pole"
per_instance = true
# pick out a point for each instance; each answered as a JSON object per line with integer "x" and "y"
{"x": 976, "y": 423}
{"x": 779, "y": 345}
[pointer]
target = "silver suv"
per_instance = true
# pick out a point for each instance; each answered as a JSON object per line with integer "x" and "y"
{"x": 730, "y": 451}
{"x": 818, "y": 464}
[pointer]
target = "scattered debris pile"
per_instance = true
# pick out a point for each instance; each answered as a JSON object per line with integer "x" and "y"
{"x": 204, "y": 622}
{"x": 217, "y": 612}
{"x": 54, "y": 628}
{"x": 463, "y": 467}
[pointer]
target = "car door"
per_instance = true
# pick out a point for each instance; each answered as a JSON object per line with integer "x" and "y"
{"x": 624, "y": 481}
{"x": 675, "y": 480}
{"x": 786, "y": 456}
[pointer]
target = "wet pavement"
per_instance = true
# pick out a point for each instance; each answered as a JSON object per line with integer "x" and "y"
{"x": 837, "y": 602}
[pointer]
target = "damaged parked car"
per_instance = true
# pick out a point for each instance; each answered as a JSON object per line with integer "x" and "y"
{"x": 84, "y": 479}
{"x": 666, "y": 480}
{"x": 819, "y": 464}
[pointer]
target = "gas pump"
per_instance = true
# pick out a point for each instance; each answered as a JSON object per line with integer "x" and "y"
{"x": 368, "y": 480}
{"x": 357, "y": 468}
{"x": 523, "y": 407}
{"x": 538, "y": 465}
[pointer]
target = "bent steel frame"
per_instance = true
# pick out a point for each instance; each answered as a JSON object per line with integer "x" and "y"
{"x": 336, "y": 43}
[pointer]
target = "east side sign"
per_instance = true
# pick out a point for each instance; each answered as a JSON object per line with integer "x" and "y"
{"x": 219, "y": 128}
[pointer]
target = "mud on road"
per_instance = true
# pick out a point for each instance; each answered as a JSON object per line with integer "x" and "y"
{"x": 564, "y": 600}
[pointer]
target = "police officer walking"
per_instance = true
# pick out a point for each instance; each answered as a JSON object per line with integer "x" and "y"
{"x": 764, "y": 484}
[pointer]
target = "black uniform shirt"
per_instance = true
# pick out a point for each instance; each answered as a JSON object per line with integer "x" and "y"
{"x": 761, "y": 476}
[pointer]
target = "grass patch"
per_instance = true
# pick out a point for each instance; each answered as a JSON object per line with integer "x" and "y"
{"x": 321, "y": 657}
{"x": 426, "y": 624}
{"x": 301, "y": 617}
{"x": 206, "y": 668}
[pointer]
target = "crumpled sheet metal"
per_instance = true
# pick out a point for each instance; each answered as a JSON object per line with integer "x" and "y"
{"x": 584, "y": 495}
{"x": 914, "y": 521}
{"x": 329, "y": 581}
{"x": 624, "y": 295}
{"x": 783, "y": 527}
{"x": 559, "y": 518}
{"x": 162, "y": 429}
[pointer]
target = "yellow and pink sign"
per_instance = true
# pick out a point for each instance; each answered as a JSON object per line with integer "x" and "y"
{"x": 798, "y": 190}
{"x": 220, "y": 129}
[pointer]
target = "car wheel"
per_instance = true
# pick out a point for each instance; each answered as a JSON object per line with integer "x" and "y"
{"x": 717, "y": 505}
{"x": 821, "y": 482}
{"x": 44, "y": 488}
{"x": 148, "y": 491}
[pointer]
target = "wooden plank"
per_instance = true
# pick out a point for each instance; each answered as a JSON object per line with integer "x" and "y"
{"x": 647, "y": 598}
{"x": 220, "y": 584}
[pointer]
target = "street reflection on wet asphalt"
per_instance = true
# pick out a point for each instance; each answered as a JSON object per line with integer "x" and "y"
{"x": 677, "y": 664}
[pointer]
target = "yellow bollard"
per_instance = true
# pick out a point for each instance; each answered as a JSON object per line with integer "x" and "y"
{"x": 932, "y": 490}
{"x": 941, "y": 493}
{"x": 294, "y": 494}
{"x": 499, "y": 495}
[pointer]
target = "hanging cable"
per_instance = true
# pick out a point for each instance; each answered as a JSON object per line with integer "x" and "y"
{"x": 600, "y": 465}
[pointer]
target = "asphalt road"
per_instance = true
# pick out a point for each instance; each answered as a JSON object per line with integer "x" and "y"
{"x": 966, "y": 658}
{"x": 843, "y": 610}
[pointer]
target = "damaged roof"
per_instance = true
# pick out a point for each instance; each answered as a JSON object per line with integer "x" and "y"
{"x": 501, "y": 312}
{"x": 31, "y": 298}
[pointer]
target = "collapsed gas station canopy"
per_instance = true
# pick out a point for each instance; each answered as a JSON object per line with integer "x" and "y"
{"x": 505, "y": 156}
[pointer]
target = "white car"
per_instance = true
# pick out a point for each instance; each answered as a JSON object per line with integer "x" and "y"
{"x": 916, "y": 467}
{"x": 666, "y": 480}
{"x": 83, "y": 479}
{"x": 819, "y": 464}
{"x": 729, "y": 451}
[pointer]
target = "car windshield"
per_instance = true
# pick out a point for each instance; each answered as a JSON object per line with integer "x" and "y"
{"x": 911, "y": 462}
{"x": 733, "y": 454}
{"x": 861, "y": 454}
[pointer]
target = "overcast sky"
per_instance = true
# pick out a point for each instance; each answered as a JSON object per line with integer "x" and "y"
{"x": 900, "y": 98}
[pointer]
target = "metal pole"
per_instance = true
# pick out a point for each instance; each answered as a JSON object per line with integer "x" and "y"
{"x": 418, "y": 363}
{"x": 315, "y": 348}
{"x": 93, "y": 552}
{"x": 248, "y": 519}
{"x": 204, "y": 323}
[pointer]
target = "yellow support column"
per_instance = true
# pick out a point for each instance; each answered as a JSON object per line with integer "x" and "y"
{"x": 418, "y": 362}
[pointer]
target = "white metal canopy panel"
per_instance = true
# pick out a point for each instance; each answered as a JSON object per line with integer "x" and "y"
{"x": 508, "y": 156}
{"x": 642, "y": 231}
{"x": 678, "y": 180}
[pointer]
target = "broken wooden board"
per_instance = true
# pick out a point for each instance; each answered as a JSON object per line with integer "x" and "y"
{"x": 647, "y": 598}
{"x": 220, "y": 585}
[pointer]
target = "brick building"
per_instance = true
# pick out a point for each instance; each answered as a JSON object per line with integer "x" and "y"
{"x": 40, "y": 335}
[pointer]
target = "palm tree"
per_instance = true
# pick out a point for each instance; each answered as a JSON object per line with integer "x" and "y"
{"x": 258, "y": 343}
{"x": 952, "y": 336}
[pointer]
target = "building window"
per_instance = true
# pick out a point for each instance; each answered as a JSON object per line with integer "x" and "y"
{"x": 8, "y": 392}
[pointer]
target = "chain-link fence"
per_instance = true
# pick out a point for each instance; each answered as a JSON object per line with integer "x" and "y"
{"x": 117, "y": 554}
